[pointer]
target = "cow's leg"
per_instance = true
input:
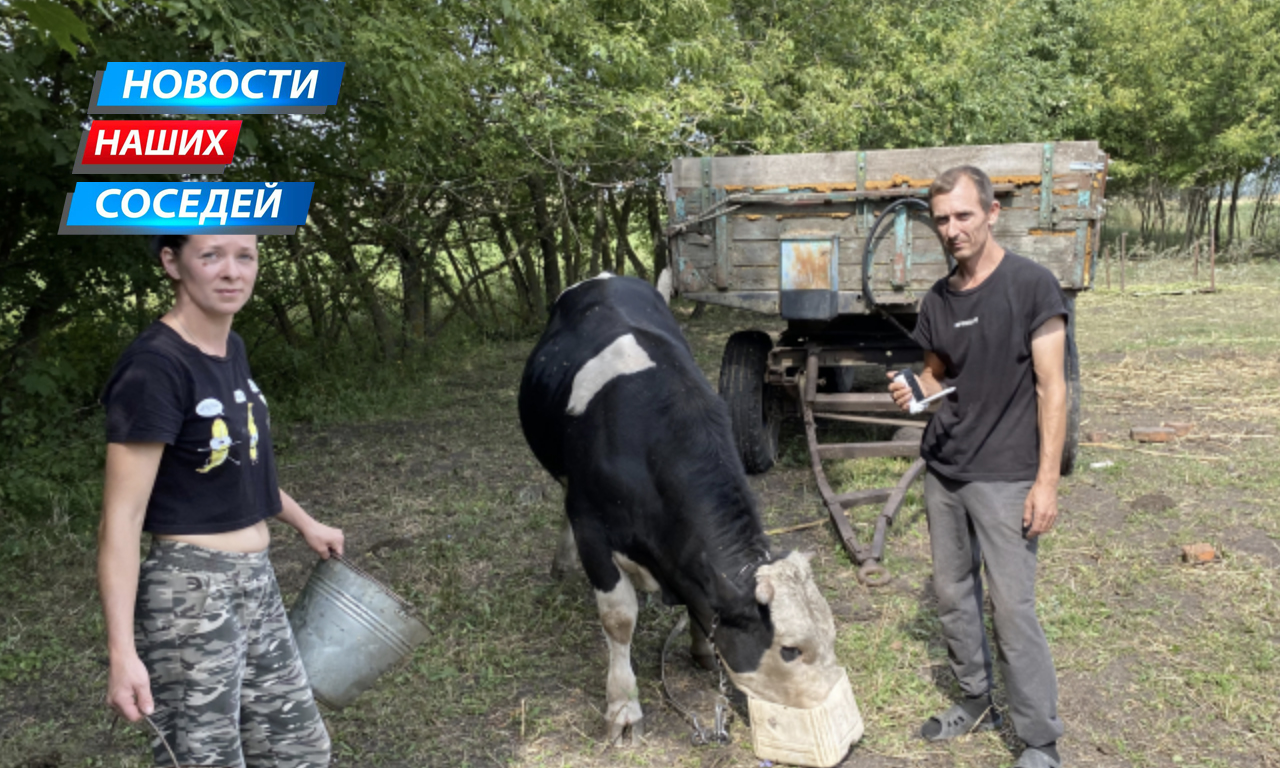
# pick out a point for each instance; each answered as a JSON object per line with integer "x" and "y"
{"x": 566, "y": 554}
{"x": 700, "y": 646}
{"x": 618, "y": 610}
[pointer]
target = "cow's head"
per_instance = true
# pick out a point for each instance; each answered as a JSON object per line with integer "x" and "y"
{"x": 798, "y": 668}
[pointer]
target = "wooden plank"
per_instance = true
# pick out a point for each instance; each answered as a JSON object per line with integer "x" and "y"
{"x": 841, "y": 168}
{"x": 907, "y": 448}
{"x": 756, "y": 226}
{"x": 863, "y": 498}
{"x": 755, "y": 253}
{"x": 754, "y": 279}
{"x": 845, "y": 227}
{"x": 855, "y": 402}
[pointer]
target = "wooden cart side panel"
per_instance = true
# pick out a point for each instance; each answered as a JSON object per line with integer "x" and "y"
{"x": 840, "y": 169}
{"x": 737, "y": 247}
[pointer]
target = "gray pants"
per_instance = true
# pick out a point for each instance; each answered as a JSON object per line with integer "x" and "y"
{"x": 975, "y": 524}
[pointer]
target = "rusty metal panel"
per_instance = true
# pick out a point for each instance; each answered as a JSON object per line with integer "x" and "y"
{"x": 810, "y": 265}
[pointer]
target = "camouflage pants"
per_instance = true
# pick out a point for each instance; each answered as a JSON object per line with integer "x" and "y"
{"x": 229, "y": 688}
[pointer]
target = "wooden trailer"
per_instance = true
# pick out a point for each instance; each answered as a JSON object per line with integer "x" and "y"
{"x": 840, "y": 245}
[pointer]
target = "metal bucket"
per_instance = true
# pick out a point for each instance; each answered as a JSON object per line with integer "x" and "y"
{"x": 350, "y": 629}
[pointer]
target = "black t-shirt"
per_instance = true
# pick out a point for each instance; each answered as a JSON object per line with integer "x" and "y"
{"x": 218, "y": 472}
{"x": 988, "y": 428}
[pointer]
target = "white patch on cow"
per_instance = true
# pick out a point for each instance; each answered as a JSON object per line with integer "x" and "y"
{"x": 640, "y": 575}
{"x": 665, "y": 285}
{"x": 624, "y": 356}
{"x": 601, "y": 276}
{"x": 618, "y": 610}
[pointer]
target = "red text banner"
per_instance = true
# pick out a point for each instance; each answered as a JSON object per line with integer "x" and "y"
{"x": 157, "y": 146}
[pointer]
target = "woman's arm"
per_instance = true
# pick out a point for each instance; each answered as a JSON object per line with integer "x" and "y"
{"x": 130, "y": 474}
{"x": 320, "y": 537}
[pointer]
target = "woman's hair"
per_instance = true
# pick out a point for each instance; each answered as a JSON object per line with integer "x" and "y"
{"x": 160, "y": 242}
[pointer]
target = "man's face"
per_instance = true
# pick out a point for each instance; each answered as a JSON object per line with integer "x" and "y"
{"x": 961, "y": 220}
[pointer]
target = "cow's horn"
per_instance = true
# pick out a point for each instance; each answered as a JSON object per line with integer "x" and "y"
{"x": 764, "y": 590}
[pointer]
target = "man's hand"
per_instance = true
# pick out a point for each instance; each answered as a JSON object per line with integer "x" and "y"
{"x": 930, "y": 379}
{"x": 1040, "y": 510}
{"x": 129, "y": 688}
{"x": 323, "y": 538}
{"x": 900, "y": 392}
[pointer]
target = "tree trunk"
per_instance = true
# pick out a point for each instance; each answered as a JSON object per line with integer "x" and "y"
{"x": 310, "y": 296}
{"x": 1194, "y": 200}
{"x": 656, "y": 233}
{"x": 570, "y": 246}
{"x": 338, "y": 245}
{"x": 1217, "y": 214}
{"x": 463, "y": 293}
{"x": 622, "y": 229}
{"x": 523, "y": 283}
{"x": 1231, "y": 212}
{"x": 546, "y": 238}
{"x": 1264, "y": 194}
{"x": 599, "y": 238}
{"x": 413, "y": 303}
{"x": 283, "y": 322}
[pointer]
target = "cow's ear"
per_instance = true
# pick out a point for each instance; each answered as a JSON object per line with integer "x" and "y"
{"x": 718, "y": 584}
{"x": 764, "y": 590}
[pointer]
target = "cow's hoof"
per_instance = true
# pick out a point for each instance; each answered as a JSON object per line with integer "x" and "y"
{"x": 705, "y": 660}
{"x": 627, "y": 735}
{"x": 626, "y": 724}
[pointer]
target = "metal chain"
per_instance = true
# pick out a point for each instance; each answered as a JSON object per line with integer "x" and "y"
{"x": 719, "y": 733}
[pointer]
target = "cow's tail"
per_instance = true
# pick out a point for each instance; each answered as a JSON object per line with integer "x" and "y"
{"x": 665, "y": 285}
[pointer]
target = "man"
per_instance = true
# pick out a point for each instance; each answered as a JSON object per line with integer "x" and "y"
{"x": 995, "y": 330}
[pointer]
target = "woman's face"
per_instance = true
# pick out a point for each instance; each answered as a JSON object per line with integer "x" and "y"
{"x": 215, "y": 272}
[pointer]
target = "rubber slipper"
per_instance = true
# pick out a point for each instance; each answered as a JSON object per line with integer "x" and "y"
{"x": 1034, "y": 758}
{"x": 957, "y": 721}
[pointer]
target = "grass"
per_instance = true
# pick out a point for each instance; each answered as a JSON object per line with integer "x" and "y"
{"x": 1160, "y": 663}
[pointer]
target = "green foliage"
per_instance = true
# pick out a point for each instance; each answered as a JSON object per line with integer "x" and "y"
{"x": 484, "y": 154}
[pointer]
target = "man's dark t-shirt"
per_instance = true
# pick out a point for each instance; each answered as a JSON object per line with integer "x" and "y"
{"x": 988, "y": 428}
{"x": 218, "y": 471}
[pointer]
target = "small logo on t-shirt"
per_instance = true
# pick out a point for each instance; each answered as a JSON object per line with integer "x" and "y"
{"x": 966, "y": 323}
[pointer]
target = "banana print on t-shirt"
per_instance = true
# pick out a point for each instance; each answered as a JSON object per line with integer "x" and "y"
{"x": 220, "y": 441}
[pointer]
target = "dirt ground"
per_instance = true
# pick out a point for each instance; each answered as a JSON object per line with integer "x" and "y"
{"x": 1159, "y": 663}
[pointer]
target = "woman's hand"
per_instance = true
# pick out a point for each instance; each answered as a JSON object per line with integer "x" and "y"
{"x": 320, "y": 537}
{"x": 129, "y": 688}
{"x": 323, "y": 539}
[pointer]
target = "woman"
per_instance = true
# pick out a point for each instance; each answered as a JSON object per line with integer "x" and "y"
{"x": 197, "y": 635}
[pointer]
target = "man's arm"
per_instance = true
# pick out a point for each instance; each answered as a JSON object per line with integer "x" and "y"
{"x": 930, "y": 381}
{"x": 1048, "y": 350}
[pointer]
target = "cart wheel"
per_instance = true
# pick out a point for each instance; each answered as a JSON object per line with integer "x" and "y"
{"x": 1072, "y": 370}
{"x": 752, "y": 407}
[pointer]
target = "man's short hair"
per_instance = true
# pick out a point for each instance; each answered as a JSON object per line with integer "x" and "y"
{"x": 948, "y": 179}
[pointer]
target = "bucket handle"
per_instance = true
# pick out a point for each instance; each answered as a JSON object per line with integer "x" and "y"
{"x": 406, "y": 608}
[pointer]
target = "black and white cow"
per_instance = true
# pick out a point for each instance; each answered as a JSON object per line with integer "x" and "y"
{"x": 614, "y": 406}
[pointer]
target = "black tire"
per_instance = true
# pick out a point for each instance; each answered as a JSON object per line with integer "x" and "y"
{"x": 752, "y": 408}
{"x": 1071, "y": 446}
